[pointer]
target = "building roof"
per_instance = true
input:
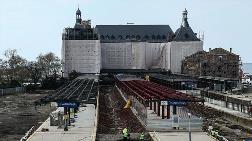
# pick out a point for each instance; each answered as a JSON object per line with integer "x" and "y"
{"x": 185, "y": 32}
{"x": 78, "y": 12}
{"x": 152, "y": 33}
{"x": 216, "y": 51}
{"x": 221, "y": 51}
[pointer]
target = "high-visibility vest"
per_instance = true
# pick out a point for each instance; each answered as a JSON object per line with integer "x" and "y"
{"x": 142, "y": 136}
{"x": 125, "y": 135}
{"x": 125, "y": 130}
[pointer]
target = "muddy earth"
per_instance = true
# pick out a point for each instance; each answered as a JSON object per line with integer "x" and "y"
{"x": 18, "y": 114}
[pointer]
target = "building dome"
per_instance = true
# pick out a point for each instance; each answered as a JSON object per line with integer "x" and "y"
{"x": 78, "y": 12}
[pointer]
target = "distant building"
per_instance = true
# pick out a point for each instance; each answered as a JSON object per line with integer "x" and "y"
{"x": 185, "y": 43}
{"x": 217, "y": 63}
{"x": 88, "y": 50}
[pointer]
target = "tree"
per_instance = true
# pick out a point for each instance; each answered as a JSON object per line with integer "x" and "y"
{"x": 14, "y": 66}
{"x": 49, "y": 64}
{"x": 35, "y": 72}
{"x": 14, "y": 69}
{"x": 1, "y": 70}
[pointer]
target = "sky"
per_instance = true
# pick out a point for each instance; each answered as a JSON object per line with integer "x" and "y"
{"x": 35, "y": 26}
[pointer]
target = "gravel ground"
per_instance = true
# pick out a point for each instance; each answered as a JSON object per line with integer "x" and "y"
{"x": 18, "y": 114}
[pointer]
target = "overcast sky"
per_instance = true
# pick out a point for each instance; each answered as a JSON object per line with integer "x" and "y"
{"x": 35, "y": 26}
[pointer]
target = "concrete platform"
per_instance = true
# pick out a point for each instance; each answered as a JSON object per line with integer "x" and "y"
{"x": 156, "y": 123}
{"x": 82, "y": 129}
{"x": 180, "y": 136}
{"x": 227, "y": 110}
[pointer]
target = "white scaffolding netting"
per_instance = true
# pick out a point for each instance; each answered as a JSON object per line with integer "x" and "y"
{"x": 81, "y": 55}
{"x": 135, "y": 55}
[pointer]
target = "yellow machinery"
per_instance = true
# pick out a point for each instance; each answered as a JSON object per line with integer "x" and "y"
{"x": 128, "y": 104}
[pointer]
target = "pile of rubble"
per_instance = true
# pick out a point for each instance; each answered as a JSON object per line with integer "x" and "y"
{"x": 215, "y": 119}
{"x": 203, "y": 111}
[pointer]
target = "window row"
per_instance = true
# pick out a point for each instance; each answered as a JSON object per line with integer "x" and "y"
{"x": 134, "y": 37}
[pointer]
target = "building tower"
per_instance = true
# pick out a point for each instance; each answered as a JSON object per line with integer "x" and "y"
{"x": 78, "y": 16}
{"x": 185, "y": 43}
{"x": 81, "y": 50}
{"x": 184, "y": 19}
{"x": 185, "y": 32}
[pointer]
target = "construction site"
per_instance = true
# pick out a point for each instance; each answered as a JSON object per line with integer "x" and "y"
{"x": 135, "y": 82}
{"x": 93, "y": 107}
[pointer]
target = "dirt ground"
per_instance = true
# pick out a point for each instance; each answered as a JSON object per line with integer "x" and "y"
{"x": 113, "y": 118}
{"x": 18, "y": 114}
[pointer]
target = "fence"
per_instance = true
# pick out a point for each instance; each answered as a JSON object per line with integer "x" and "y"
{"x": 12, "y": 90}
{"x": 137, "y": 106}
{"x": 140, "y": 108}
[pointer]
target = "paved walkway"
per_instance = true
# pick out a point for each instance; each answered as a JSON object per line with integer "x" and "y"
{"x": 180, "y": 136}
{"x": 81, "y": 130}
{"x": 156, "y": 123}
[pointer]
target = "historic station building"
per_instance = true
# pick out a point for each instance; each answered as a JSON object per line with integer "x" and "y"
{"x": 127, "y": 47}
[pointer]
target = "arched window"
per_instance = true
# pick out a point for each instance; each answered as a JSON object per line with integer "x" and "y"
{"x": 112, "y": 37}
{"x": 102, "y": 37}
{"x": 138, "y": 37}
{"x": 158, "y": 37}
{"x": 153, "y": 37}
{"x": 128, "y": 37}
{"x": 120, "y": 37}
{"x": 107, "y": 37}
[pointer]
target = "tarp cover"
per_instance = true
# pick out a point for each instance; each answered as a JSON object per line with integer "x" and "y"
{"x": 134, "y": 55}
{"x": 81, "y": 55}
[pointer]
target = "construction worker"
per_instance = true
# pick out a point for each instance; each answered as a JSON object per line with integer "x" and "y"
{"x": 125, "y": 134}
{"x": 141, "y": 136}
{"x": 147, "y": 77}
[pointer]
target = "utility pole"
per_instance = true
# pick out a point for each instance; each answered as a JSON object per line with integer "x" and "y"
{"x": 189, "y": 128}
